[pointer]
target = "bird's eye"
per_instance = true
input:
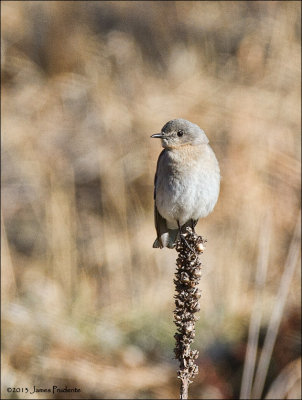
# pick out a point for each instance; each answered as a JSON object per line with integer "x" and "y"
{"x": 180, "y": 133}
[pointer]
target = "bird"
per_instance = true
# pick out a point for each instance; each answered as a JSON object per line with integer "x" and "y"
{"x": 186, "y": 183}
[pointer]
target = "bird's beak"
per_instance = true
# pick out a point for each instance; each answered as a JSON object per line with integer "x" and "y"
{"x": 157, "y": 135}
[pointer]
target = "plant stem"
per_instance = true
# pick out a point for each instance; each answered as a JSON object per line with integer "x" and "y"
{"x": 184, "y": 386}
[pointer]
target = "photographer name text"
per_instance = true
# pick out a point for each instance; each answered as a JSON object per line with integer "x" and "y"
{"x": 54, "y": 389}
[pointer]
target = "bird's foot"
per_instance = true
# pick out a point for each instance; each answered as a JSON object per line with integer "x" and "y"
{"x": 183, "y": 238}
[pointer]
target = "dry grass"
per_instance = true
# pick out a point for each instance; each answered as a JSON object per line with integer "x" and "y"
{"x": 85, "y": 298}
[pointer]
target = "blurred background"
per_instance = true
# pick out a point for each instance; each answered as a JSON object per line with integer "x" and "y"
{"x": 86, "y": 301}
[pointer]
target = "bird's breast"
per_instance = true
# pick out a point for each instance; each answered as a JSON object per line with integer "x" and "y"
{"x": 187, "y": 183}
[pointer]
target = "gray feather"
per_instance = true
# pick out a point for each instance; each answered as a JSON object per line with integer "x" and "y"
{"x": 165, "y": 237}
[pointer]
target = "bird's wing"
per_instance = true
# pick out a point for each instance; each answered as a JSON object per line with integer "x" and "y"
{"x": 194, "y": 222}
{"x": 160, "y": 222}
{"x": 161, "y": 228}
{"x": 155, "y": 177}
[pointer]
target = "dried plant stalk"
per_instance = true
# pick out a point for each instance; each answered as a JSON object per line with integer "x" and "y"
{"x": 187, "y": 277}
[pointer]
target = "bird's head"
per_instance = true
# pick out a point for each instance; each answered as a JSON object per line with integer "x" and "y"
{"x": 180, "y": 132}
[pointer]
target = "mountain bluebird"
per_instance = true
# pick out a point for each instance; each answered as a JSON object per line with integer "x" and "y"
{"x": 187, "y": 180}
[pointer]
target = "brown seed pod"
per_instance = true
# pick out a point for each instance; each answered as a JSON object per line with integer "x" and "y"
{"x": 197, "y": 273}
{"x": 200, "y": 248}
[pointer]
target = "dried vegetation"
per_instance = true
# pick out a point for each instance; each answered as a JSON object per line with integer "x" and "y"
{"x": 86, "y": 301}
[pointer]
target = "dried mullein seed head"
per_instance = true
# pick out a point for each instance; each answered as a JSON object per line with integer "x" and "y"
{"x": 186, "y": 280}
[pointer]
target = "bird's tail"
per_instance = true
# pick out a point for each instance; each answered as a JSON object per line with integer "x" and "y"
{"x": 167, "y": 239}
